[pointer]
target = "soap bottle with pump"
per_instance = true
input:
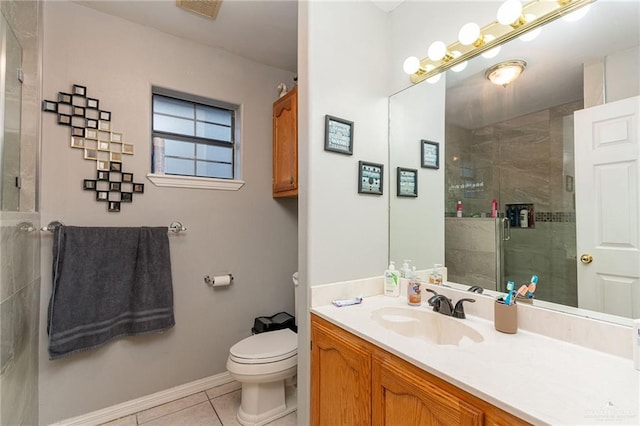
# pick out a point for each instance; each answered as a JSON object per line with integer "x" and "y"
{"x": 436, "y": 275}
{"x": 391, "y": 284}
{"x": 414, "y": 293}
{"x": 405, "y": 271}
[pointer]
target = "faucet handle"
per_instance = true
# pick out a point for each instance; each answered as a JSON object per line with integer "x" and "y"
{"x": 458, "y": 311}
{"x": 475, "y": 289}
{"x": 431, "y": 291}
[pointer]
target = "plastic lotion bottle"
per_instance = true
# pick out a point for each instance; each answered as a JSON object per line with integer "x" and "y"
{"x": 405, "y": 271}
{"x": 436, "y": 276}
{"x": 414, "y": 295}
{"x": 391, "y": 287}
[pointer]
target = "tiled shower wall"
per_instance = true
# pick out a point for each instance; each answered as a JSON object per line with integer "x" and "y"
{"x": 20, "y": 240}
{"x": 528, "y": 159}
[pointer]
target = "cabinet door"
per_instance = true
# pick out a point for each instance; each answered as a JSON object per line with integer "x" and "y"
{"x": 403, "y": 398}
{"x": 340, "y": 379}
{"x": 285, "y": 145}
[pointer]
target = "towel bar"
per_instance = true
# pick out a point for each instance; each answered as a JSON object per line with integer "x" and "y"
{"x": 175, "y": 227}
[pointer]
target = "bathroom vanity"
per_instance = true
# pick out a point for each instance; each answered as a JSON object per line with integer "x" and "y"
{"x": 356, "y": 382}
{"x": 383, "y": 362}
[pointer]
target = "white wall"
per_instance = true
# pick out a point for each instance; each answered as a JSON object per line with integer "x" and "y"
{"x": 247, "y": 233}
{"x": 343, "y": 51}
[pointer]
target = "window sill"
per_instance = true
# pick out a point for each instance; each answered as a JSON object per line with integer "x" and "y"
{"x": 194, "y": 182}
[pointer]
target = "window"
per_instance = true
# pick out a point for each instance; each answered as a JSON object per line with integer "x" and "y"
{"x": 199, "y": 135}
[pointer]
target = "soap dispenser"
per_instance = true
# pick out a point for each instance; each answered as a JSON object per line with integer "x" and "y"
{"x": 391, "y": 285}
{"x": 414, "y": 293}
{"x": 436, "y": 276}
{"x": 405, "y": 271}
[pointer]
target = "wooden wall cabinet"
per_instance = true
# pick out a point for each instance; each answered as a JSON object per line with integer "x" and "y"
{"x": 285, "y": 145}
{"x": 354, "y": 382}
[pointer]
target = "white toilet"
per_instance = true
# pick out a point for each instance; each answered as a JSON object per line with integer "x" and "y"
{"x": 264, "y": 364}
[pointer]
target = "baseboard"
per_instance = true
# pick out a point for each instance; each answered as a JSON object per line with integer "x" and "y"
{"x": 143, "y": 403}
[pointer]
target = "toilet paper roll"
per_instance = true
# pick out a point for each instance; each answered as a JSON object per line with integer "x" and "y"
{"x": 221, "y": 280}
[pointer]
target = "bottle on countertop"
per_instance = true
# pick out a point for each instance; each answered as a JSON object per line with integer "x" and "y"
{"x": 494, "y": 208}
{"x": 405, "y": 271}
{"x": 459, "y": 209}
{"x": 391, "y": 284}
{"x": 414, "y": 292}
{"x": 436, "y": 275}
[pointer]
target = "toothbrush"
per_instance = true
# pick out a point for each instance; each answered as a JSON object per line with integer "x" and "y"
{"x": 532, "y": 287}
{"x": 510, "y": 287}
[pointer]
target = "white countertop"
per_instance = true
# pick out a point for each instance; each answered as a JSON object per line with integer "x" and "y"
{"x": 536, "y": 378}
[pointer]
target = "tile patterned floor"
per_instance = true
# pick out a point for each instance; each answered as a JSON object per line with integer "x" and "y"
{"x": 214, "y": 407}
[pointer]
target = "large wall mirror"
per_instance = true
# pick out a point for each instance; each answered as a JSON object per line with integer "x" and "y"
{"x": 515, "y": 145}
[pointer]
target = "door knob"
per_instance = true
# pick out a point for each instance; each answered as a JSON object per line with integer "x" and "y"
{"x": 586, "y": 259}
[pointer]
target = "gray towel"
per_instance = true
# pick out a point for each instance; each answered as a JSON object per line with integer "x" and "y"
{"x": 107, "y": 283}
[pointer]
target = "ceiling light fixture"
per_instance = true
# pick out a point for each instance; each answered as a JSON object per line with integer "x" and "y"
{"x": 505, "y": 72}
{"x": 514, "y": 20}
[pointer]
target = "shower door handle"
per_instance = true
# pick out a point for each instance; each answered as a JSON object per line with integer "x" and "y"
{"x": 506, "y": 229}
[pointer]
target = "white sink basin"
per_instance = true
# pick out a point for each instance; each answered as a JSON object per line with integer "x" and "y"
{"x": 424, "y": 324}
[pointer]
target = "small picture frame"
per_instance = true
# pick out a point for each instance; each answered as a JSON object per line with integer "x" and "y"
{"x": 103, "y": 146}
{"x": 102, "y": 165}
{"x": 115, "y": 157}
{"x": 114, "y": 186}
{"x": 79, "y": 90}
{"x": 407, "y": 180}
{"x": 116, "y": 137}
{"x": 91, "y": 133}
{"x": 78, "y": 111}
{"x": 138, "y": 187}
{"x": 77, "y": 142}
{"x": 429, "y": 154}
{"x": 91, "y": 123}
{"x": 370, "y": 178}
{"x": 90, "y": 154}
{"x": 127, "y": 177}
{"x": 104, "y": 125}
{"x": 92, "y": 103}
{"x": 49, "y": 106}
{"x": 114, "y": 206}
{"x": 102, "y": 195}
{"x": 64, "y": 119}
{"x": 127, "y": 148}
{"x": 338, "y": 135}
{"x": 77, "y": 131}
{"x": 103, "y": 175}
{"x": 64, "y": 98}
{"x": 126, "y": 197}
{"x": 89, "y": 184}
{"x": 115, "y": 166}
{"x": 105, "y": 116}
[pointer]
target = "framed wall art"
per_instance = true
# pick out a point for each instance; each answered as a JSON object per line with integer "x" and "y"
{"x": 370, "y": 178}
{"x": 338, "y": 135}
{"x": 407, "y": 182}
{"x": 429, "y": 154}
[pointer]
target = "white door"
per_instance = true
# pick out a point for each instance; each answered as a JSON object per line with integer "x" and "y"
{"x": 607, "y": 139}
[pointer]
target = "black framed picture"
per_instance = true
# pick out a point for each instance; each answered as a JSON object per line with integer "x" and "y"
{"x": 105, "y": 116}
{"x": 138, "y": 187}
{"x": 114, "y": 186}
{"x": 89, "y": 184}
{"x": 114, "y": 206}
{"x": 126, "y": 197}
{"x": 115, "y": 167}
{"x": 102, "y": 195}
{"x": 64, "y": 98}
{"x": 64, "y": 119}
{"x": 429, "y": 154}
{"x": 407, "y": 182}
{"x": 79, "y": 90}
{"x": 103, "y": 175}
{"x": 127, "y": 177}
{"x": 338, "y": 135}
{"x": 93, "y": 103}
{"x": 49, "y": 106}
{"x": 370, "y": 178}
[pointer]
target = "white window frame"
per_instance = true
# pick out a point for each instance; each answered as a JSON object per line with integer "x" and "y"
{"x": 196, "y": 182}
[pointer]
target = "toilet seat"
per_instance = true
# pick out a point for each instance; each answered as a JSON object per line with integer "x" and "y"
{"x": 264, "y": 348}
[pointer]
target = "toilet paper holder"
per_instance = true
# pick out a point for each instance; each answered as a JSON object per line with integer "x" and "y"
{"x": 218, "y": 280}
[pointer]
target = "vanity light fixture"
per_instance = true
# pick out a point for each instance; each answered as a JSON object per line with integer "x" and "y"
{"x": 505, "y": 72}
{"x": 514, "y": 20}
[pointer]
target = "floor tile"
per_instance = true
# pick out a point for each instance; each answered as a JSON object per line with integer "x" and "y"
{"x": 171, "y": 407}
{"x": 290, "y": 419}
{"x": 197, "y": 415}
{"x": 123, "y": 421}
{"x": 226, "y": 406}
{"x": 223, "y": 389}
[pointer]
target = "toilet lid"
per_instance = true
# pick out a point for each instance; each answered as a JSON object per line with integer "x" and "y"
{"x": 271, "y": 346}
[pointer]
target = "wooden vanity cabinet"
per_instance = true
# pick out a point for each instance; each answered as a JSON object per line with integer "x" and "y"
{"x": 285, "y": 145}
{"x": 354, "y": 382}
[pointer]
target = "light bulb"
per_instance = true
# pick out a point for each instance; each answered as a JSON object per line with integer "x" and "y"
{"x": 509, "y": 12}
{"x": 435, "y": 78}
{"x": 531, "y": 35}
{"x": 461, "y": 66}
{"x": 411, "y": 65}
{"x": 577, "y": 14}
{"x": 492, "y": 53}
{"x": 437, "y": 51}
{"x": 469, "y": 33}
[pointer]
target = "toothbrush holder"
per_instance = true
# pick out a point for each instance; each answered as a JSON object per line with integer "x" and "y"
{"x": 505, "y": 317}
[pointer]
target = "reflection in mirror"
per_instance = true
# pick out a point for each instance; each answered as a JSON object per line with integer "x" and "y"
{"x": 10, "y": 109}
{"x": 515, "y": 144}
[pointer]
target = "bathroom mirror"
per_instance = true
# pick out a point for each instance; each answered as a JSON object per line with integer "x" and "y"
{"x": 515, "y": 145}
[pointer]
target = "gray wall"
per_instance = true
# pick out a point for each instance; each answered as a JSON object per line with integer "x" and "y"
{"x": 247, "y": 232}
{"x": 19, "y": 249}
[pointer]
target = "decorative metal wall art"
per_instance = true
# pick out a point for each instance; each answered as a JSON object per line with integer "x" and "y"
{"x": 92, "y": 133}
